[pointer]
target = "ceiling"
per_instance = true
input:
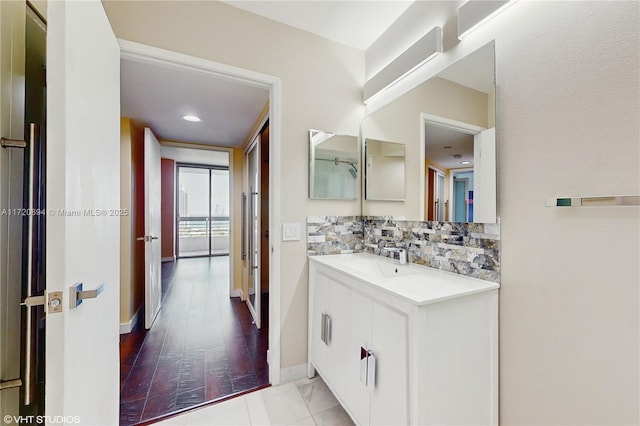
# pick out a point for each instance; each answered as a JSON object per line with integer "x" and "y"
{"x": 438, "y": 137}
{"x": 354, "y": 23}
{"x": 158, "y": 97}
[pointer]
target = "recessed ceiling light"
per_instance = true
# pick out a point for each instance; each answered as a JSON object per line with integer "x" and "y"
{"x": 465, "y": 162}
{"x": 192, "y": 118}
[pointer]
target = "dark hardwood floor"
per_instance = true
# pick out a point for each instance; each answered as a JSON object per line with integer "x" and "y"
{"x": 203, "y": 345}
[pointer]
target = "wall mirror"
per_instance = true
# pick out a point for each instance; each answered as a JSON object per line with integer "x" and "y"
{"x": 333, "y": 166}
{"x": 385, "y": 172}
{"x": 447, "y": 125}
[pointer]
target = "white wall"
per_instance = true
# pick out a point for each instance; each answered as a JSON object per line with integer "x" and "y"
{"x": 321, "y": 88}
{"x": 567, "y": 124}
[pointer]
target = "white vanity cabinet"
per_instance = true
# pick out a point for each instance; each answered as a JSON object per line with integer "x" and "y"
{"x": 417, "y": 348}
{"x": 349, "y": 331}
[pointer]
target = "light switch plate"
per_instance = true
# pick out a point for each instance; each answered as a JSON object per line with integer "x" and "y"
{"x": 290, "y": 232}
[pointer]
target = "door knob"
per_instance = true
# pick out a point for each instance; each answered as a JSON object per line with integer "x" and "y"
{"x": 77, "y": 294}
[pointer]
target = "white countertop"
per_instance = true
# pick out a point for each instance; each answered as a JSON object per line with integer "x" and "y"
{"x": 417, "y": 284}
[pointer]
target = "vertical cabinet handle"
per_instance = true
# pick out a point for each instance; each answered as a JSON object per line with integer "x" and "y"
{"x": 325, "y": 329}
{"x": 371, "y": 371}
{"x": 367, "y": 368}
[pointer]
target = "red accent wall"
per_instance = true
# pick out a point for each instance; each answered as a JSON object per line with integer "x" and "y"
{"x": 168, "y": 199}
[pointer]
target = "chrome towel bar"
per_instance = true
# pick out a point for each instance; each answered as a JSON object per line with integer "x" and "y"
{"x": 596, "y": 201}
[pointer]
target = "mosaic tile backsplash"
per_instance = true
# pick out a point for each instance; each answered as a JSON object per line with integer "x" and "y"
{"x": 471, "y": 249}
{"x": 334, "y": 235}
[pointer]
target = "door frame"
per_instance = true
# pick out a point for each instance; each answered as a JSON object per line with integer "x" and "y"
{"x": 436, "y": 120}
{"x": 437, "y": 171}
{"x": 152, "y": 55}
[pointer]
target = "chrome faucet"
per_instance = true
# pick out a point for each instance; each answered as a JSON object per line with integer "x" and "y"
{"x": 402, "y": 253}
{"x": 402, "y": 256}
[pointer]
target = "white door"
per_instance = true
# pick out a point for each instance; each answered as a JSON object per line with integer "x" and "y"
{"x": 484, "y": 176}
{"x": 254, "y": 285}
{"x": 152, "y": 229}
{"x": 83, "y": 202}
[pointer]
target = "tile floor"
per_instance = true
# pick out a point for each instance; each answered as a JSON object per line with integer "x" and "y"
{"x": 202, "y": 346}
{"x": 304, "y": 402}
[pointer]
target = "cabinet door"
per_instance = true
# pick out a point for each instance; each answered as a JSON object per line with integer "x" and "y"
{"x": 321, "y": 297}
{"x": 389, "y": 401}
{"x": 339, "y": 320}
{"x": 357, "y": 396}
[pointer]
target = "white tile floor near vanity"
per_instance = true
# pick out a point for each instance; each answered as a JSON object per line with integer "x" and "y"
{"x": 304, "y": 402}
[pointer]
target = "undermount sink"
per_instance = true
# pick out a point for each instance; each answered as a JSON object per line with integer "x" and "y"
{"x": 390, "y": 270}
{"x": 378, "y": 267}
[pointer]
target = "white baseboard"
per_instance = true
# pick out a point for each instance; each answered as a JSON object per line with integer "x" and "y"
{"x": 126, "y": 327}
{"x": 169, "y": 259}
{"x": 237, "y": 292}
{"x": 294, "y": 373}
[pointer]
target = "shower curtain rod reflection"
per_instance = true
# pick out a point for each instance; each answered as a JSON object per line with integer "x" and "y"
{"x": 337, "y": 161}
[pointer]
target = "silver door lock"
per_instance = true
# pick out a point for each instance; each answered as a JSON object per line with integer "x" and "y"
{"x": 53, "y": 301}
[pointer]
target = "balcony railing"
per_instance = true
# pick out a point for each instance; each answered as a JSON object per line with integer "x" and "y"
{"x": 202, "y": 236}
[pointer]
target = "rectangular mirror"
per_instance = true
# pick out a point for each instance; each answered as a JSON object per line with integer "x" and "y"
{"x": 385, "y": 172}
{"x": 447, "y": 125}
{"x": 333, "y": 166}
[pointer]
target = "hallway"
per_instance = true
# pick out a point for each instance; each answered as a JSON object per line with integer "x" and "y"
{"x": 202, "y": 346}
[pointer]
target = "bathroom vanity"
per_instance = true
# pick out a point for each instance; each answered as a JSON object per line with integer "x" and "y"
{"x": 404, "y": 344}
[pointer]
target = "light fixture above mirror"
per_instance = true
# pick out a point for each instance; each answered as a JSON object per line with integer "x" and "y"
{"x": 475, "y": 13}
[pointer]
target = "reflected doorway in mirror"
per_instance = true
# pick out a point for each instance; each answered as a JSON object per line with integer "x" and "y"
{"x": 463, "y": 190}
